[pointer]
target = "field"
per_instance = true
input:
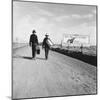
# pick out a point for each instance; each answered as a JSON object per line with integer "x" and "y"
{"x": 87, "y": 54}
{"x": 18, "y": 45}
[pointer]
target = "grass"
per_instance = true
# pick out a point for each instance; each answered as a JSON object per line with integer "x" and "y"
{"x": 87, "y": 55}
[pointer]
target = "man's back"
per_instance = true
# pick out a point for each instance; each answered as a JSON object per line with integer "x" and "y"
{"x": 33, "y": 39}
{"x": 45, "y": 43}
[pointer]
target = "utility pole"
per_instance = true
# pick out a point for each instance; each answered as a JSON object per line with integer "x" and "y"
{"x": 81, "y": 47}
{"x": 61, "y": 43}
{"x": 16, "y": 39}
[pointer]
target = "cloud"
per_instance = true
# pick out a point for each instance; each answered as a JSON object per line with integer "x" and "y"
{"x": 94, "y": 11}
{"x": 61, "y": 18}
{"x": 88, "y": 16}
{"x": 23, "y": 28}
{"x": 44, "y": 12}
{"x": 76, "y": 16}
{"x": 73, "y": 16}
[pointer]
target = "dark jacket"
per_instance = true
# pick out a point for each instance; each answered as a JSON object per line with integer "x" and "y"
{"x": 45, "y": 43}
{"x": 33, "y": 40}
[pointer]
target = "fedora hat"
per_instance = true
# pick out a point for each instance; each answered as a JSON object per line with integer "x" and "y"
{"x": 46, "y": 34}
{"x": 33, "y": 31}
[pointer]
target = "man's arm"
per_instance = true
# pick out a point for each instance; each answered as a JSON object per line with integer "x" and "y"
{"x": 30, "y": 41}
{"x": 43, "y": 43}
{"x": 37, "y": 40}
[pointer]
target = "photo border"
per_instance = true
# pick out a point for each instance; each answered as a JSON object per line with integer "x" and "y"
{"x": 12, "y": 49}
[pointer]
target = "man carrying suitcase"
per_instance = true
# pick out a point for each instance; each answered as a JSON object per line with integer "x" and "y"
{"x": 33, "y": 43}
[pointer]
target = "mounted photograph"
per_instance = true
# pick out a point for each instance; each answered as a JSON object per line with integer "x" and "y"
{"x": 54, "y": 49}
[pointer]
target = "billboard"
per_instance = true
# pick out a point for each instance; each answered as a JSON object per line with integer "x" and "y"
{"x": 75, "y": 39}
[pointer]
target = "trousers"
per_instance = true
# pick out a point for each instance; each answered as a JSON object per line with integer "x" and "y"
{"x": 46, "y": 53}
{"x": 33, "y": 51}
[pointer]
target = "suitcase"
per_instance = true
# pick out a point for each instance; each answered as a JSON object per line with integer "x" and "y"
{"x": 49, "y": 43}
{"x": 38, "y": 50}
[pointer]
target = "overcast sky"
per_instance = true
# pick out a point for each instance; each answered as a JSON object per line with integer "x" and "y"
{"x": 54, "y": 19}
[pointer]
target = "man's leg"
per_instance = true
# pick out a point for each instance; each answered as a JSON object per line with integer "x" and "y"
{"x": 33, "y": 51}
{"x": 46, "y": 53}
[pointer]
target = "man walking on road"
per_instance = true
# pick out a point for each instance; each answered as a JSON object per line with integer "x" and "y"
{"x": 33, "y": 43}
{"x": 46, "y": 45}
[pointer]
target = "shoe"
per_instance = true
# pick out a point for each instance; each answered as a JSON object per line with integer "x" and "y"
{"x": 34, "y": 58}
{"x": 46, "y": 58}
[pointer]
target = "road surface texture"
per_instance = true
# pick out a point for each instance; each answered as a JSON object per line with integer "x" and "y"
{"x": 60, "y": 75}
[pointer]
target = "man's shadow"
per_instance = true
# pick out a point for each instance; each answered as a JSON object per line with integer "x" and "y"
{"x": 29, "y": 58}
{"x": 25, "y": 57}
{"x": 40, "y": 58}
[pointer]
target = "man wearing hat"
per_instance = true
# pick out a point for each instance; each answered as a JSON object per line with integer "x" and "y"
{"x": 33, "y": 43}
{"x": 46, "y": 45}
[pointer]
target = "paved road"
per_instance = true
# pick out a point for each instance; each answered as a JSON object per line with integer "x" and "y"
{"x": 59, "y": 75}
